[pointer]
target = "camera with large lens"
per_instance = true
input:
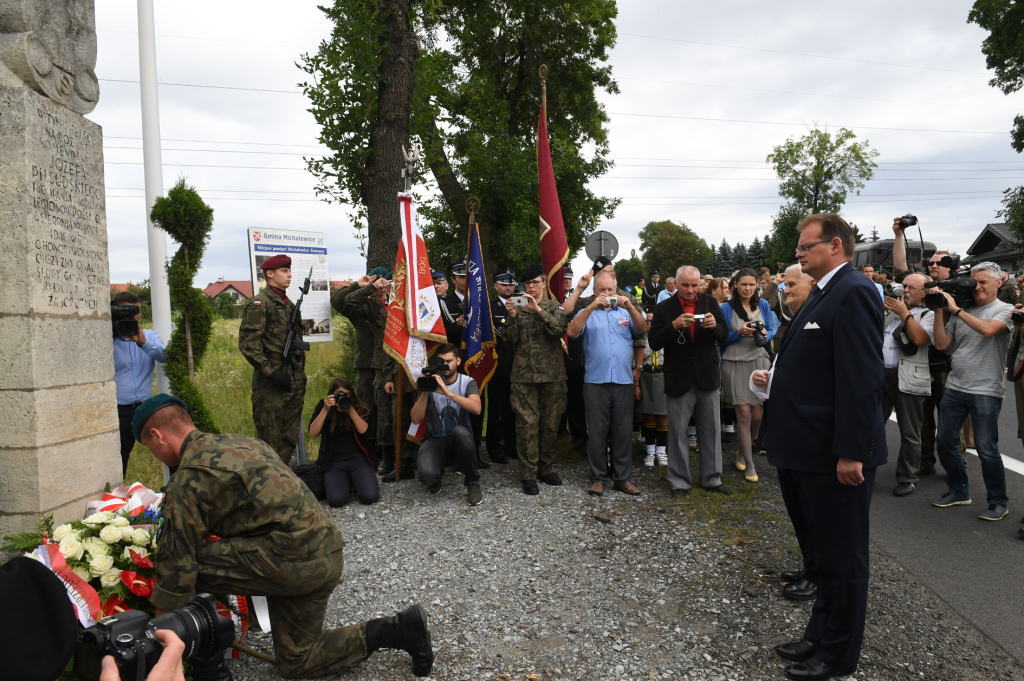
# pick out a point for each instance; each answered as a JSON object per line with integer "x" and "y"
{"x": 342, "y": 400}
{"x": 426, "y": 382}
{"x": 759, "y": 338}
{"x": 959, "y": 285}
{"x": 123, "y": 318}
{"x": 894, "y": 290}
{"x": 129, "y": 637}
{"x": 907, "y": 220}
{"x": 1017, "y": 317}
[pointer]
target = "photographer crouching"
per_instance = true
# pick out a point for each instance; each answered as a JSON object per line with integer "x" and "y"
{"x": 447, "y": 399}
{"x": 339, "y": 420}
{"x": 977, "y": 339}
{"x": 907, "y": 381}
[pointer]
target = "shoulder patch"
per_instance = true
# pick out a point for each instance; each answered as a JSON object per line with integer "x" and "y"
{"x": 257, "y": 302}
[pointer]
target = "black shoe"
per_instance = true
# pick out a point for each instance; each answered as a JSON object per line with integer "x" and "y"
{"x": 797, "y": 651}
{"x": 679, "y": 493}
{"x": 802, "y": 590}
{"x": 435, "y": 488}
{"x": 550, "y": 479}
{"x": 388, "y": 477}
{"x": 791, "y": 577}
{"x": 1020, "y": 533}
{"x": 408, "y": 631}
{"x": 408, "y": 470}
{"x": 482, "y": 465}
{"x": 904, "y": 489}
{"x": 719, "y": 489}
{"x": 499, "y": 459}
{"x": 211, "y": 670}
{"x": 814, "y": 669}
{"x": 530, "y": 487}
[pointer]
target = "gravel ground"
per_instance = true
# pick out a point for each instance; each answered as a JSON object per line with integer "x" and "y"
{"x": 567, "y": 586}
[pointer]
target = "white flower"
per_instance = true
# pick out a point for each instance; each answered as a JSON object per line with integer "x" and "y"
{"x": 100, "y": 564}
{"x": 82, "y": 573}
{"x": 34, "y": 556}
{"x": 140, "y": 537}
{"x": 61, "y": 531}
{"x": 95, "y": 546}
{"x": 139, "y": 551}
{"x": 71, "y": 548}
{"x": 98, "y": 518}
{"x": 119, "y": 521}
{"x": 110, "y": 534}
{"x": 110, "y": 578}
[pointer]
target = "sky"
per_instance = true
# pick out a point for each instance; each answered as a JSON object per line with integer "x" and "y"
{"x": 707, "y": 90}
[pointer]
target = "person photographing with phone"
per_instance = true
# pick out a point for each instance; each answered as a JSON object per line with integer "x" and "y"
{"x": 339, "y": 420}
{"x": 446, "y": 400}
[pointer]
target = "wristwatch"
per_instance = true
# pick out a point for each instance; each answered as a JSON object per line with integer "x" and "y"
{"x": 958, "y": 311}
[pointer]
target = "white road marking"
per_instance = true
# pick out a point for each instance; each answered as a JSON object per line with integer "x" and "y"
{"x": 1008, "y": 462}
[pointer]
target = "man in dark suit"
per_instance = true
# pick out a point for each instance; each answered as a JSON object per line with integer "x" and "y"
{"x": 827, "y": 429}
{"x": 693, "y": 378}
{"x": 501, "y": 422}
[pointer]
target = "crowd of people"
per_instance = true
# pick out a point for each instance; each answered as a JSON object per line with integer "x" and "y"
{"x": 805, "y": 366}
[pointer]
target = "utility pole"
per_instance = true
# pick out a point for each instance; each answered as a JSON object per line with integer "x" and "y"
{"x": 154, "y": 173}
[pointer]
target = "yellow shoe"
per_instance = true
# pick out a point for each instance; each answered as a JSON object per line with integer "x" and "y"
{"x": 751, "y": 478}
{"x": 740, "y": 466}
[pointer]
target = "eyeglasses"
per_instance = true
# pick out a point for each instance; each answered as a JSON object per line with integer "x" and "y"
{"x": 803, "y": 248}
{"x": 533, "y": 282}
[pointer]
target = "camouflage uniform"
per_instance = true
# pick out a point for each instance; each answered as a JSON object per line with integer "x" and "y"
{"x": 261, "y": 338}
{"x": 275, "y": 541}
{"x": 538, "y": 384}
{"x": 363, "y": 360}
{"x": 1008, "y": 293}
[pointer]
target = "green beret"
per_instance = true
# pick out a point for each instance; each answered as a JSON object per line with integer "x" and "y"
{"x": 378, "y": 271}
{"x": 150, "y": 407}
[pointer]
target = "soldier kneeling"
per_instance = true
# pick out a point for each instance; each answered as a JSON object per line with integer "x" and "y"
{"x": 275, "y": 541}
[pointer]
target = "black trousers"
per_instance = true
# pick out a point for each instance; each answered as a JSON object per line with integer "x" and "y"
{"x": 477, "y": 422}
{"x": 501, "y": 421}
{"x": 801, "y": 526}
{"x": 838, "y": 515}
{"x": 575, "y": 418}
{"x": 125, "y": 414}
{"x": 928, "y": 427}
{"x": 454, "y": 450}
{"x": 346, "y": 472}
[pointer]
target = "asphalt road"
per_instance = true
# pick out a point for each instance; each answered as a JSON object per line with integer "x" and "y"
{"x": 975, "y": 566}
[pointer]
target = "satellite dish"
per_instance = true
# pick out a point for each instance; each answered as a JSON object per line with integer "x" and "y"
{"x": 602, "y": 243}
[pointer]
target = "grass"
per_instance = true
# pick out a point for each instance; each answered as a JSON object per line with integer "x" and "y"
{"x": 225, "y": 379}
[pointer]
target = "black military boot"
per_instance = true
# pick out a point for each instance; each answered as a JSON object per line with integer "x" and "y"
{"x": 387, "y": 465}
{"x": 211, "y": 670}
{"x": 406, "y": 631}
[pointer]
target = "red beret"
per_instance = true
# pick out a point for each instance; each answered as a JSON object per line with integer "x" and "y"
{"x": 275, "y": 261}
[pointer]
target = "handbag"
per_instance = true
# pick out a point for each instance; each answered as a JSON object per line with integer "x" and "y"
{"x": 313, "y": 477}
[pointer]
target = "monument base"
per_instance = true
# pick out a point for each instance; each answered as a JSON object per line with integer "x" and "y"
{"x": 59, "y": 443}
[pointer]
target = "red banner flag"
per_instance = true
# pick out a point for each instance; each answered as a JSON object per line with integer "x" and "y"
{"x": 554, "y": 248}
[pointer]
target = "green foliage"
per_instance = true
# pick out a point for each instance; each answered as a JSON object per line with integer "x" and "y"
{"x": 723, "y": 265}
{"x": 874, "y": 234}
{"x": 818, "y": 171}
{"x": 225, "y": 307}
{"x": 784, "y": 235}
{"x": 628, "y": 271}
{"x": 739, "y": 257}
{"x": 858, "y": 238}
{"x": 757, "y": 256}
{"x": 1004, "y": 47}
{"x": 184, "y": 215}
{"x": 28, "y": 541}
{"x": 666, "y": 246}
{"x": 1012, "y": 214}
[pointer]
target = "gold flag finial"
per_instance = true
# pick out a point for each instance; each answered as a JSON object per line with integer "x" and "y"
{"x": 472, "y": 207}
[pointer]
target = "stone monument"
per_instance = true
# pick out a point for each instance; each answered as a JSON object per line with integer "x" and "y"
{"x": 59, "y": 440}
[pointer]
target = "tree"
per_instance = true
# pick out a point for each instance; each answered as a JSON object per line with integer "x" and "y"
{"x": 739, "y": 258}
{"x": 665, "y": 246}
{"x": 724, "y": 260}
{"x": 1003, "y": 50}
{"x": 817, "y": 171}
{"x": 361, "y": 96}
{"x": 858, "y": 238}
{"x": 757, "y": 257}
{"x": 628, "y": 271}
{"x": 784, "y": 235}
{"x": 1012, "y": 214}
{"x": 874, "y": 234}
{"x": 713, "y": 261}
{"x": 226, "y": 307}
{"x": 184, "y": 215}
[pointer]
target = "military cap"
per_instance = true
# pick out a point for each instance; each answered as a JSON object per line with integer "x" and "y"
{"x": 602, "y": 262}
{"x": 506, "y": 277}
{"x": 437, "y": 275}
{"x": 41, "y": 624}
{"x": 459, "y": 268}
{"x": 379, "y": 272}
{"x": 390, "y": 275}
{"x": 275, "y": 261}
{"x": 150, "y": 407}
{"x": 532, "y": 272}
{"x": 655, "y": 273}
{"x": 567, "y": 272}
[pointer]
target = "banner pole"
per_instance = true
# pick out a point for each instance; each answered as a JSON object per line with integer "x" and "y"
{"x": 400, "y": 387}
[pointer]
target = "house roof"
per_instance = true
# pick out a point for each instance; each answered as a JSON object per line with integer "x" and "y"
{"x": 118, "y": 288}
{"x": 342, "y": 283}
{"x": 994, "y": 236}
{"x": 218, "y": 287}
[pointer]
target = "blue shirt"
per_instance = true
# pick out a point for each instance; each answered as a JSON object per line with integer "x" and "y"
{"x": 133, "y": 366}
{"x": 608, "y": 346}
{"x": 665, "y": 295}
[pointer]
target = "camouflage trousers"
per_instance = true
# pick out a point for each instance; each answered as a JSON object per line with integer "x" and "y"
{"x": 367, "y": 396}
{"x": 386, "y": 415}
{"x": 538, "y": 408}
{"x": 297, "y": 593}
{"x": 277, "y": 414}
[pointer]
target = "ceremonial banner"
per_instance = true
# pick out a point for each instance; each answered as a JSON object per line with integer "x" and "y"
{"x": 478, "y": 337}
{"x": 414, "y": 325}
{"x": 554, "y": 248}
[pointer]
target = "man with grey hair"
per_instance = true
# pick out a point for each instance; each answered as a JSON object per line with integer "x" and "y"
{"x": 976, "y": 338}
{"x": 608, "y": 326}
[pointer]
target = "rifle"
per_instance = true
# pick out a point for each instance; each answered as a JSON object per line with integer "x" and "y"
{"x": 295, "y": 326}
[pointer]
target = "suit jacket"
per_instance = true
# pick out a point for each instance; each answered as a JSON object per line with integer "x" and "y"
{"x": 451, "y": 310}
{"x": 697, "y": 361}
{"x": 826, "y": 393}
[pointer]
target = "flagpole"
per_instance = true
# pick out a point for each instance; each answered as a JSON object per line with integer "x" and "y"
{"x": 399, "y": 440}
{"x": 544, "y": 88}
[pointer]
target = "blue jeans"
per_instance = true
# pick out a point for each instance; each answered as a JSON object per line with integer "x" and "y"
{"x": 956, "y": 406}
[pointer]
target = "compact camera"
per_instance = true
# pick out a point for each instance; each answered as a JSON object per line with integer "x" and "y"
{"x": 123, "y": 319}
{"x": 343, "y": 400}
{"x": 894, "y": 290}
{"x": 759, "y": 338}
{"x": 699, "y": 318}
{"x": 426, "y": 382}
{"x": 519, "y": 298}
{"x": 128, "y": 636}
{"x": 612, "y": 300}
